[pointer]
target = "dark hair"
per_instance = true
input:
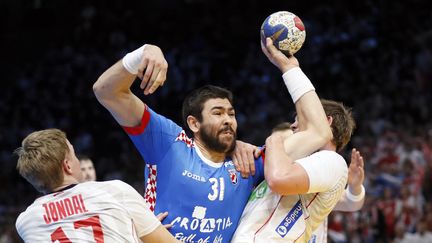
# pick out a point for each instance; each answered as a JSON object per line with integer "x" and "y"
{"x": 343, "y": 123}
{"x": 193, "y": 104}
{"x": 82, "y": 157}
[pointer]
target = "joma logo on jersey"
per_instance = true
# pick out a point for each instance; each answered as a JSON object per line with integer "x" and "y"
{"x": 193, "y": 176}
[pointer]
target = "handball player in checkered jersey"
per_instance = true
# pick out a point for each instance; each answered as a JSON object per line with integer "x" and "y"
{"x": 193, "y": 177}
{"x": 70, "y": 211}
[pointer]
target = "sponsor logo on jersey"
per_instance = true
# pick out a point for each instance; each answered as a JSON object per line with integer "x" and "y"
{"x": 228, "y": 164}
{"x": 259, "y": 191}
{"x": 233, "y": 176}
{"x": 193, "y": 176}
{"x": 288, "y": 222}
{"x": 204, "y": 225}
{"x": 313, "y": 239}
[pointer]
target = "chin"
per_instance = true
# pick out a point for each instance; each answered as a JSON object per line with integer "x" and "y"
{"x": 230, "y": 146}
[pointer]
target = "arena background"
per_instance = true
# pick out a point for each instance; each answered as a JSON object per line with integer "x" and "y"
{"x": 375, "y": 56}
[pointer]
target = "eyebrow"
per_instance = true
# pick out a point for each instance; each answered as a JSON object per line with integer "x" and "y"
{"x": 222, "y": 108}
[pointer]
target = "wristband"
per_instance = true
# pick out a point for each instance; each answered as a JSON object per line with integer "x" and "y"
{"x": 297, "y": 83}
{"x": 355, "y": 198}
{"x": 132, "y": 60}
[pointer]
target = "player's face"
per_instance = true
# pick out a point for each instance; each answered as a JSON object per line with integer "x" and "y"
{"x": 219, "y": 125}
{"x": 74, "y": 163}
{"x": 88, "y": 171}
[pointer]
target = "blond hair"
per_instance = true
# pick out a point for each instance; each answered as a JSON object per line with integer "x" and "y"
{"x": 40, "y": 158}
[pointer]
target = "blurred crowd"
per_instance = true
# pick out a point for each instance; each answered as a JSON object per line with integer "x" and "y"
{"x": 375, "y": 56}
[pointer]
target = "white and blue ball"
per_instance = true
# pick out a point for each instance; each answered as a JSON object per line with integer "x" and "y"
{"x": 286, "y": 30}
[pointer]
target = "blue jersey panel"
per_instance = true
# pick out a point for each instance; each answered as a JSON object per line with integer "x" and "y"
{"x": 204, "y": 200}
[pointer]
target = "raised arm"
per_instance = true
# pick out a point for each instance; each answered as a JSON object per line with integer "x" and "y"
{"x": 354, "y": 195}
{"x": 112, "y": 88}
{"x": 282, "y": 174}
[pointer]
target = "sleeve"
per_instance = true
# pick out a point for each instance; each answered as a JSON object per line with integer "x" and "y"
{"x": 259, "y": 167}
{"x": 350, "y": 202}
{"x": 154, "y": 136}
{"x": 325, "y": 169}
{"x": 144, "y": 220}
{"x": 18, "y": 225}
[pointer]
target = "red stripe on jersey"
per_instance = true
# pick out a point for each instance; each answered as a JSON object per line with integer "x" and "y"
{"x": 268, "y": 219}
{"x": 140, "y": 128}
{"x": 316, "y": 195}
{"x": 263, "y": 149}
{"x": 313, "y": 199}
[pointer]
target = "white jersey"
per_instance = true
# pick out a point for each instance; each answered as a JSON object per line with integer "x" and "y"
{"x": 269, "y": 217}
{"x": 110, "y": 211}
{"x": 346, "y": 204}
{"x": 320, "y": 233}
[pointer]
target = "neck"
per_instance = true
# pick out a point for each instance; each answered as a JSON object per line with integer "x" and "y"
{"x": 329, "y": 146}
{"x": 66, "y": 182}
{"x": 210, "y": 154}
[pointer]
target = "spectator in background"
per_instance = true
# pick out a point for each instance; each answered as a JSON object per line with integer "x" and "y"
{"x": 87, "y": 168}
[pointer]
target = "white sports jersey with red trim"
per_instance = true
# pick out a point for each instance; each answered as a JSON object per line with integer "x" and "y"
{"x": 110, "y": 211}
{"x": 269, "y": 217}
{"x": 204, "y": 199}
{"x": 320, "y": 233}
{"x": 345, "y": 204}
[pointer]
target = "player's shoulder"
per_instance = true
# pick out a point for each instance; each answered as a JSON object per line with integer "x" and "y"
{"x": 29, "y": 213}
{"x": 110, "y": 185}
{"x": 331, "y": 159}
{"x": 328, "y": 155}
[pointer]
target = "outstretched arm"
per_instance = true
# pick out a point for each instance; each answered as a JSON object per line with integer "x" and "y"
{"x": 354, "y": 195}
{"x": 282, "y": 174}
{"x": 112, "y": 89}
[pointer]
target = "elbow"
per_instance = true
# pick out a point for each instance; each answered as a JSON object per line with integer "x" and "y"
{"x": 288, "y": 182}
{"x": 277, "y": 183}
{"x": 98, "y": 89}
{"x": 275, "y": 186}
{"x": 102, "y": 93}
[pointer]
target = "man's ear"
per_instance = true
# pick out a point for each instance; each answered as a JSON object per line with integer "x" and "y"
{"x": 67, "y": 167}
{"x": 193, "y": 123}
{"x": 330, "y": 120}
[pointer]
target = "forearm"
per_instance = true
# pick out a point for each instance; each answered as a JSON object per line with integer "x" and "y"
{"x": 115, "y": 81}
{"x": 112, "y": 89}
{"x": 310, "y": 114}
{"x": 314, "y": 131}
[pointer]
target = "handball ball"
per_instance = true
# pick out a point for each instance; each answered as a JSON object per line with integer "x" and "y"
{"x": 286, "y": 30}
